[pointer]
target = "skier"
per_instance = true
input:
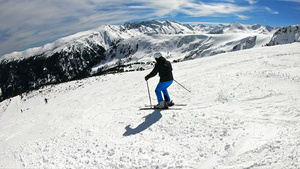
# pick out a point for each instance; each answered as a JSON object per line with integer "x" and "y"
{"x": 164, "y": 68}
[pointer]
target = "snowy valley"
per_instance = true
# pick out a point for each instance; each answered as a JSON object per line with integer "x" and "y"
{"x": 243, "y": 112}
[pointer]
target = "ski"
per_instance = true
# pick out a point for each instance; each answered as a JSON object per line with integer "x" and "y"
{"x": 169, "y": 106}
{"x": 153, "y": 108}
{"x": 179, "y": 105}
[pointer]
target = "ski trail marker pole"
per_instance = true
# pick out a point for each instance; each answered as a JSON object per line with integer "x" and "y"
{"x": 182, "y": 86}
{"x": 149, "y": 93}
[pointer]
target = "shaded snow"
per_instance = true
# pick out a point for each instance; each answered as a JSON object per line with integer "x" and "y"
{"x": 243, "y": 112}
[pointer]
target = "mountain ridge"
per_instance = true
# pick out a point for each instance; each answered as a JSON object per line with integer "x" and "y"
{"x": 126, "y": 47}
{"x": 145, "y": 27}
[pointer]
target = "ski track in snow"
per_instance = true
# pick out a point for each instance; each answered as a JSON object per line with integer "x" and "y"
{"x": 243, "y": 112}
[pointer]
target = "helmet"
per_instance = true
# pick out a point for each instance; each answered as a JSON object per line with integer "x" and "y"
{"x": 157, "y": 55}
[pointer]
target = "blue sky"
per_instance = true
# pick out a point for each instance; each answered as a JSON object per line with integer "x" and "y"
{"x": 26, "y": 24}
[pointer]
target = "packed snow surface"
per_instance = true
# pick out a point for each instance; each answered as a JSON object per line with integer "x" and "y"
{"x": 243, "y": 112}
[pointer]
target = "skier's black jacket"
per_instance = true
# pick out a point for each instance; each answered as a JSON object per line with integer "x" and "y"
{"x": 164, "y": 68}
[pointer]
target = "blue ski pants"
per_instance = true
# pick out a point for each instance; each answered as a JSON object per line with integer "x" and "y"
{"x": 162, "y": 87}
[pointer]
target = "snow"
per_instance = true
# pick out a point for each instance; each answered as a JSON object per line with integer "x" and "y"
{"x": 243, "y": 112}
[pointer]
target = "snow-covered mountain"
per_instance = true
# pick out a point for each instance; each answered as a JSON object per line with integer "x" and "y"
{"x": 122, "y": 48}
{"x": 157, "y": 27}
{"x": 243, "y": 112}
{"x": 240, "y": 28}
{"x": 286, "y": 35}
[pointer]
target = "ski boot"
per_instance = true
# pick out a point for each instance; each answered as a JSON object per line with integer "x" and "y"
{"x": 170, "y": 103}
{"x": 161, "y": 105}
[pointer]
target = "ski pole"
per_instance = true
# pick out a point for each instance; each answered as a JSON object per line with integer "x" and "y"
{"x": 149, "y": 93}
{"x": 182, "y": 86}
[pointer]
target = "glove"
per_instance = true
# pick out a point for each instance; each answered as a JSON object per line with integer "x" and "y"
{"x": 146, "y": 78}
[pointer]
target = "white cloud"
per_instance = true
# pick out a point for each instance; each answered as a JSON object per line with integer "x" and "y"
{"x": 252, "y": 1}
{"x": 212, "y": 9}
{"x": 271, "y": 11}
{"x": 243, "y": 17}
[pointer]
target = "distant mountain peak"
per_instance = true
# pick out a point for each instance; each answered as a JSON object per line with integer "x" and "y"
{"x": 289, "y": 34}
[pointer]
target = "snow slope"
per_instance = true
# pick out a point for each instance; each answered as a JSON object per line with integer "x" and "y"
{"x": 243, "y": 112}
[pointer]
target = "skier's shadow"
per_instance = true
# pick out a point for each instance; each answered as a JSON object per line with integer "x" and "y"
{"x": 149, "y": 120}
